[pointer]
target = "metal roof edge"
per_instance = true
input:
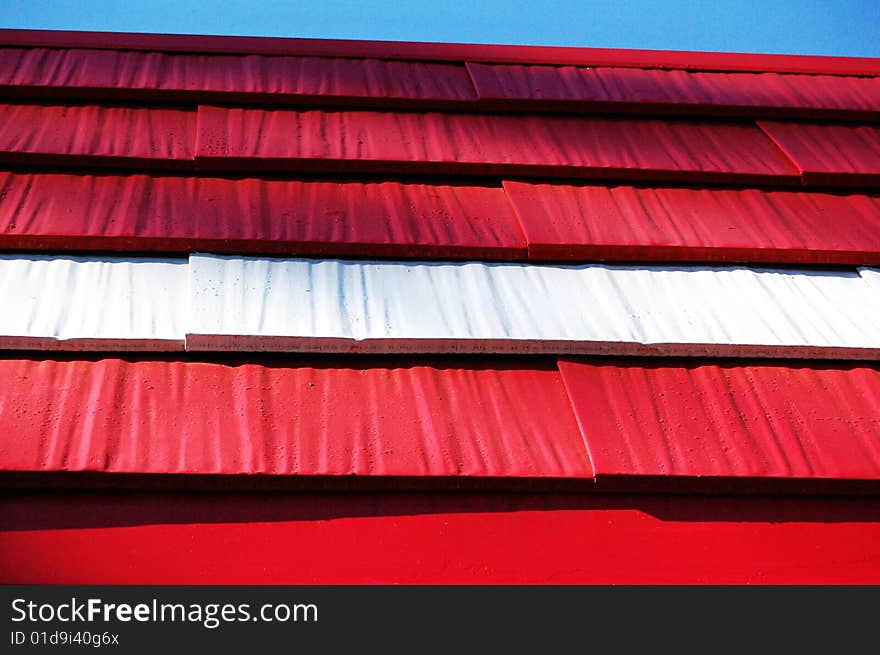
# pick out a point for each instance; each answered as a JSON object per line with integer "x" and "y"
{"x": 449, "y": 52}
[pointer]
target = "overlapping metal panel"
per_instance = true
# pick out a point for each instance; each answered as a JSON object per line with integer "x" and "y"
{"x": 95, "y": 303}
{"x": 692, "y": 224}
{"x": 354, "y": 218}
{"x": 450, "y": 52}
{"x": 401, "y": 142}
{"x": 363, "y": 306}
{"x": 439, "y": 538}
{"x": 473, "y": 418}
{"x": 698, "y": 419}
{"x": 177, "y": 214}
{"x": 643, "y": 90}
{"x": 829, "y": 154}
{"x": 96, "y": 135}
{"x": 128, "y": 75}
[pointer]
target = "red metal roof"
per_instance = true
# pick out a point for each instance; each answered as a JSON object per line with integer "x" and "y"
{"x": 512, "y": 54}
{"x": 646, "y": 90}
{"x": 691, "y": 224}
{"x": 154, "y": 144}
{"x": 127, "y": 75}
{"x": 185, "y": 214}
{"x": 404, "y": 419}
{"x": 707, "y": 420}
{"x": 828, "y": 154}
{"x": 475, "y": 144}
{"x": 96, "y": 136}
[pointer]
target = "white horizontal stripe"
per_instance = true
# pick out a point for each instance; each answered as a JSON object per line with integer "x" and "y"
{"x": 92, "y": 303}
{"x": 341, "y": 306}
{"x": 331, "y": 305}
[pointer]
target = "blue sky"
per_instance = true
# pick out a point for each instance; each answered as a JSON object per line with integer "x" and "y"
{"x": 831, "y": 27}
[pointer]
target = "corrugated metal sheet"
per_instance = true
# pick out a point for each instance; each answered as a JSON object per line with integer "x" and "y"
{"x": 830, "y": 154}
{"x": 675, "y": 224}
{"x": 440, "y": 538}
{"x": 474, "y": 418}
{"x": 105, "y": 303}
{"x": 93, "y": 135}
{"x": 343, "y": 306}
{"x": 570, "y": 88}
{"x": 379, "y": 219}
{"x": 706, "y": 420}
{"x": 484, "y": 144}
{"x": 145, "y": 75}
{"x": 176, "y": 214}
{"x": 452, "y": 52}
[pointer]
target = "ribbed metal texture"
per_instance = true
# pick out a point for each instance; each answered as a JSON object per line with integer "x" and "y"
{"x": 669, "y": 224}
{"x": 94, "y": 135}
{"x": 342, "y": 306}
{"x": 381, "y": 219}
{"x": 714, "y": 420}
{"x": 104, "y": 303}
{"x": 121, "y": 74}
{"x": 137, "y": 212}
{"x": 829, "y": 154}
{"x": 474, "y": 418}
{"x": 677, "y": 91}
{"x": 449, "y": 52}
{"x": 440, "y": 538}
{"x": 487, "y": 144}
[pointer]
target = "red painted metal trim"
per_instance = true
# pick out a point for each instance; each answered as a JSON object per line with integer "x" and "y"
{"x": 43, "y": 211}
{"x": 125, "y": 76}
{"x": 702, "y": 420}
{"x": 477, "y": 419}
{"x": 92, "y": 135}
{"x": 631, "y": 91}
{"x": 162, "y": 538}
{"x": 829, "y": 154}
{"x": 570, "y": 56}
{"x": 626, "y": 223}
{"x": 480, "y": 144}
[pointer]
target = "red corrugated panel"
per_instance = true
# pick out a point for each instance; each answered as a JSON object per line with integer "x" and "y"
{"x": 176, "y": 214}
{"x": 709, "y": 420}
{"x": 674, "y": 224}
{"x": 101, "y": 538}
{"x": 472, "y": 419}
{"x": 455, "y": 52}
{"x": 830, "y": 154}
{"x": 484, "y": 144}
{"x": 117, "y": 136}
{"x": 635, "y": 90}
{"x": 140, "y": 75}
{"x": 381, "y": 219}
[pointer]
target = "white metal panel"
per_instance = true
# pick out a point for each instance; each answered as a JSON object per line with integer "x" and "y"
{"x": 63, "y": 302}
{"x": 872, "y": 277}
{"x": 332, "y": 305}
